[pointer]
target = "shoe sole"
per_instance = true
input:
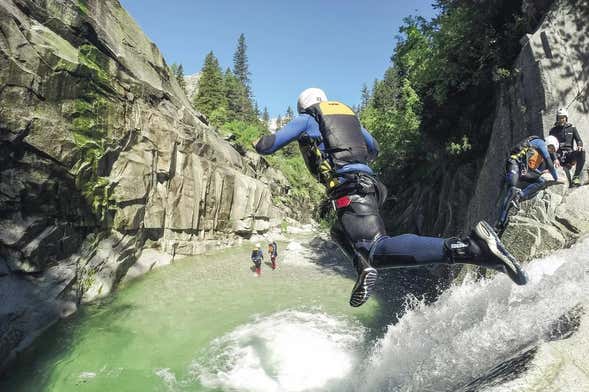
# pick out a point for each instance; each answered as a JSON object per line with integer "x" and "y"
{"x": 363, "y": 288}
{"x": 486, "y": 232}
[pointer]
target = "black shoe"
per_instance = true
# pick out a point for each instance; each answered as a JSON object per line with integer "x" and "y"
{"x": 494, "y": 255}
{"x": 576, "y": 182}
{"x": 363, "y": 287}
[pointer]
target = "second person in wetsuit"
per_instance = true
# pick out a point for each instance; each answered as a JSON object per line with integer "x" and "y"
{"x": 528, "y": 160}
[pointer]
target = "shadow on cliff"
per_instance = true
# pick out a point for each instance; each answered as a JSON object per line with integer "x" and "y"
{"x": 573, "y": 30}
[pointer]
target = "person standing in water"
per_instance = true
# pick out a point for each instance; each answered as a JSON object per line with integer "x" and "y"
{"x": 337, "y": 151}
{"x": 257, "y": 257}
{"x": 273, "y": 252}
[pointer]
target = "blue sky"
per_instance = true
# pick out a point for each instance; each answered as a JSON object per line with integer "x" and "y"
{"x": 336, "y": 46}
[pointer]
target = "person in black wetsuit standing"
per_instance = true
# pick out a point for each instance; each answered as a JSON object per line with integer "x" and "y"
{"x": 571, "y": 152}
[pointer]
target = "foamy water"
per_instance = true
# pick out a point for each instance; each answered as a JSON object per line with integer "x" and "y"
{"x": 287, "y": 351}
{"x": 474, "y": 327}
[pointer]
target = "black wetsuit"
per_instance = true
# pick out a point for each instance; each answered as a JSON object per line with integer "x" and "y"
{"x": 567, "y": 135}
{"x": 359, "y": 226}
{"x": 337, "y": 150}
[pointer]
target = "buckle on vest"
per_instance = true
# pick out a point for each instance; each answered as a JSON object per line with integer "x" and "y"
{"x": 342, "y": 202}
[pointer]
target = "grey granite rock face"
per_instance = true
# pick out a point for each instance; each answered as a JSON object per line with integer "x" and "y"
{"x": 100, "y": 151}
{"x": 192, "y": 85}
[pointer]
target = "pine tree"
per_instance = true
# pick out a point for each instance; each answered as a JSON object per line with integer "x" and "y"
{"x": 234, "y": 93}
{"x": 289, "y": 115}
{"x": 211, "y": 95}
{"x": 174, "y": 68}
{"x": 180, "y": 77}
{"x": 266, "y": 117}
{"x": 178, "y": 72}
{"x": 240, "y": 64}
{"x": 365, "y": 97}
{"x": 278, "y": 122}
{"x": 239, "y": 106}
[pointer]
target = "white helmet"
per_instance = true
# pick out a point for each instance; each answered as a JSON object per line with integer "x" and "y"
{"x": 562, "y": 112}
{"x": 258, "y": 246}
{"x": 552, "y": 141}
{"x": 310, "y": 97}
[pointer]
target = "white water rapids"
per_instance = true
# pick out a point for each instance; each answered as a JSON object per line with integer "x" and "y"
{"x": 487, "y": 335}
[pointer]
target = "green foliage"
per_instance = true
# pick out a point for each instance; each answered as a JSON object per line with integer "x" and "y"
{"x": 289, "y": 115}
{"x": 225, "y": 99}
{"x": 502, "y": 74}
{"x": 245, "y": 133}
{"x": 219, "y": 116}
{"x": 95, "y": 65}
{"x": 83, "y": 6}
{"x": 456, "y": 149}
{"x": 304, "y": 186}
{"x": 365, "y": 98}
{"x": 433, "y": 100}
{"x": 211, "y": 88}
{"x": 284, "y": 227}
{"x": 239, "y": 105}
{"x": 266, "y": 117}
{"x": 240, "y": 64}
{"x": 396, "y": 127}
{"x": 178, "y": 73}
{"x": 279, "y": 122}
{"x": 89, "y": 124}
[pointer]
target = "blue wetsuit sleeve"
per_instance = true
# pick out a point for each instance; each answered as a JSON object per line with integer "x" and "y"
{"x": 371, "y": 143}
{"x": 269, "y": 144}
{"x": 540, "y": 145}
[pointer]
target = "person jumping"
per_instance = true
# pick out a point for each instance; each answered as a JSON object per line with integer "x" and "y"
{"x": 337, "y": 151}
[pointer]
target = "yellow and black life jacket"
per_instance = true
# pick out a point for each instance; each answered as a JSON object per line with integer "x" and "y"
{"x": 524, "y": 152}
{"x": 341, "y": 134}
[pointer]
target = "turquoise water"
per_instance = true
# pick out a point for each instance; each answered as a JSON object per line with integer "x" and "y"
{"x": 182, "y": 327}
{"x": 207, "y": 324}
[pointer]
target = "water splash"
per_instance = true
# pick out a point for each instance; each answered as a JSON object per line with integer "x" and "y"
{"x": 287, "y": 351}
{"x": 476, "y": 326}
